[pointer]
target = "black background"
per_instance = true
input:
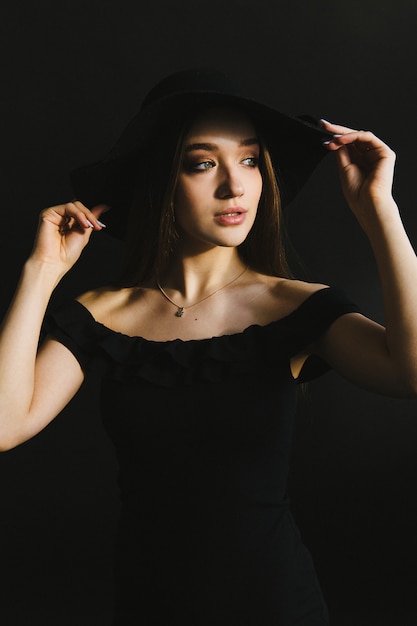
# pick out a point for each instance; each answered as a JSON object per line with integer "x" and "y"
{"x": 72, "y": 75}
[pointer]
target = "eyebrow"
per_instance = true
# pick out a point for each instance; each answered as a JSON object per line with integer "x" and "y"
{"x": 212, "y": 146}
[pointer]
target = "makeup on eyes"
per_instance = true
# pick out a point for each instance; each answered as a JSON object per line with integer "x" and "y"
{"x": 195, "y": 162}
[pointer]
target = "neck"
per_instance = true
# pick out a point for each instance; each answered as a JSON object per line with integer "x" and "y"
{"x": 193, "y": 276}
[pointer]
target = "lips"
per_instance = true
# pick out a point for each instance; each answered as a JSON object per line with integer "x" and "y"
{"x": 231, "y": 216}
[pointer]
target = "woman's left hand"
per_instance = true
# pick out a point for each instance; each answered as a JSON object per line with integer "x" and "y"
{"x": 366, "y": 168}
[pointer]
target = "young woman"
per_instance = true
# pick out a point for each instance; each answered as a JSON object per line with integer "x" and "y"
{"x": 202, "y": 341}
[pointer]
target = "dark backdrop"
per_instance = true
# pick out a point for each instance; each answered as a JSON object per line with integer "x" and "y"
{"x": 72, "y": 74}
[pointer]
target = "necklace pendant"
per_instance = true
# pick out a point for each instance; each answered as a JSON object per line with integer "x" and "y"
{"x": 180, "y": 311}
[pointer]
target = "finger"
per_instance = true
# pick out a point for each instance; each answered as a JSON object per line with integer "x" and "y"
{"x": 98, "y": 211}
{"x": 70, "y": 217}
{"x": 343, "y": 158}
{"x": 83, "y": 216}
{"x": 362, "y": 140}
{"x": 353, "y": 135}
{"x": 363, "y": 143}
{"x": 336, "y": 128}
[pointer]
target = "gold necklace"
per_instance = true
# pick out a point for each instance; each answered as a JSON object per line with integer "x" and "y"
{"x": 181, "y": 309}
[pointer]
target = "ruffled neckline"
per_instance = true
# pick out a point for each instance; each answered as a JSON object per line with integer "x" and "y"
{"x": 249, "y": 329}
{"x": 183, "y": 362}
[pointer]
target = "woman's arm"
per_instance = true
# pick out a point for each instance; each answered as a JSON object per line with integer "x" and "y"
{"x": 380, "y": 359}
{"x": 33, "y": 389}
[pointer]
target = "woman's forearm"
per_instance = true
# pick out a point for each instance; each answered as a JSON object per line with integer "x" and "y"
{"x": 397, "y": 267}
{"x": 19, "y": 338}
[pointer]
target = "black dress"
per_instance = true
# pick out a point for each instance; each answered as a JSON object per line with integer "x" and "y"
{"x": 202, "y": 430}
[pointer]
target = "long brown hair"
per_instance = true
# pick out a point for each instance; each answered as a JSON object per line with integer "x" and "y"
{"x": 151, "y": 234}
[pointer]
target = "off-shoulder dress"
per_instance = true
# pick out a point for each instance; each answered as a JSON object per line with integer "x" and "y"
{"x": 203, "y": 431}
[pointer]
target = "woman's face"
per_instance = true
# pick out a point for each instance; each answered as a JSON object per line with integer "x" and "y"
{"x": 219, "y": 184}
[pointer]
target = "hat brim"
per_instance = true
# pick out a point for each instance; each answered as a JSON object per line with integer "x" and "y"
{"x": 295, "y": 143}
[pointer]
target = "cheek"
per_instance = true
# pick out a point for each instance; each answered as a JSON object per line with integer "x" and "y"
{"x": 189, "y": 198}
{"x": 183, "y": 193}
{"x": 185, "y": 207}
{"x": 184, "y": 202}
{"x": 259, "y": 186}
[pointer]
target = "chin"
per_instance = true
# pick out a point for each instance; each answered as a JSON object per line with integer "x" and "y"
{"x": 229, "y": 239}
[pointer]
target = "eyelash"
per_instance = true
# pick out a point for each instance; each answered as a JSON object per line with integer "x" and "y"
{"x": 196, "y": 166}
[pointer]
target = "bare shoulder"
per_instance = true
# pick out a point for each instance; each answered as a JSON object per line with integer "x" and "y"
{"x": 104, "y": 302}
{"x": 281, "y": 296}
{"x": 296, "y": 291}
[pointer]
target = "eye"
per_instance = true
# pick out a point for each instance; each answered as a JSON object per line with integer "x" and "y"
{"x": 203, "y": 165}
{"x": 251, "y": 161}
{"x": 197, "y": 165}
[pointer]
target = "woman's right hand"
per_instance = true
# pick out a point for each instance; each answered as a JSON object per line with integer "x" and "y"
{"x": 30, "y": 397}
{"x": 63, "y": 232}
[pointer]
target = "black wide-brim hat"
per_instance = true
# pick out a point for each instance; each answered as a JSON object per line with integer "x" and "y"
{"x": 295, "y": 143}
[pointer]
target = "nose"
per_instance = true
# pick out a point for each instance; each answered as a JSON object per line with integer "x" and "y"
{"x": 230, "y": 185}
